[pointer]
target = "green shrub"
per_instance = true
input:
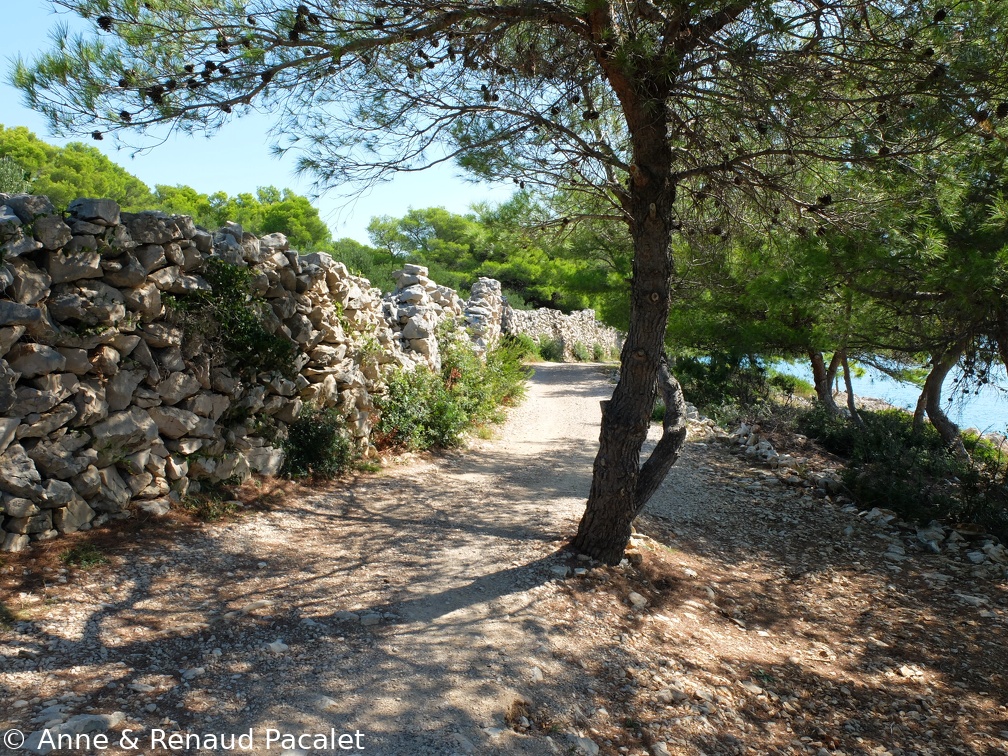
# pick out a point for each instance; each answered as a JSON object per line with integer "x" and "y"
{"x": 317, "y": 445}
{"x": 85, "y": 556}
{"x": 598, "y": 352}
{"x": 523, "y": 344}
{"x": 721, "y": 384}
{"x": 581, "y": 353}
{"x": 424, "y": 409}
{"x": 551, "y": 350}
{"x": 912, "y": 472}
{"x": 230, "y": 319}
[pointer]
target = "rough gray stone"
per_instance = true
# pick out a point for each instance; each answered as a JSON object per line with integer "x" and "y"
{"x": 8, "y": 429}
{"x": 70, "y": 518}
{"x": 14, "y": 542}
{"x": 104, "y": 212}
{"x": 32, "y": 360}
{"x": 66, "y": 267}
{"x": 144, "y": 300}
{"x": 56, "y": 493}
{"x": 173, "y": 422}
{"x": 15, "y": 313}
{"x": 125, "y": 272}
{"x": 92, "y": 303}
{"x": 30, "y": 207}
{"x": 151, "y": 227}
{"x": 9, "y": 337}
{"x": 119, "y": 391}
{"x": 30, "y": 285}
{"x": 18, "y": 474}
{"x": 126, "y": 431}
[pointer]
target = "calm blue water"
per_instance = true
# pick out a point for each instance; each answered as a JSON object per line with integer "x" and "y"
{"x": 986, "y": 410}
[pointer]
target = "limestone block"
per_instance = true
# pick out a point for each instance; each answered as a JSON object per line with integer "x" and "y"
{"x": 56, "y": 493}
{"x": 53, "y": 460}
{"x": 103, "y": 212}
{"x": 16, "y": 314}
{"x": 177, "y": 386}
{"x": 124, "y": 272}
{"x": 73, "y": 516}
{"x": 14, "y": 506}
{"x": 32, "y": 360}
{"x": 90, "y": 303}
{"x": 88, "y": 483}
{"x": 151, "y": 257}
{"x": 173, "y": 422}
{"x": 76, "y": 360}
{"x": 89, "y": 400}
{"x": 40, "y": 425}
{"x": 8, "y": 430}
{"x": 65, "y": 267}
{"x": 127, "y": 431}
{"x": 29, "y": 285}
{"x": 145, "y": 300}
{"x": 18, "y": 475}
{"x": 105, "y": 360}
{"x": 119, "y": 390}
{"x": 161, "y": 335}
{"x": 14, "y": 543}
{"x": 151, "y": 227}
{"x": 9, "y": 337}
{"x": 266, "y": 460}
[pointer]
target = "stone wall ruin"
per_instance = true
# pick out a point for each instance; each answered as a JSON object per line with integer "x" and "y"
{"x": 109, "y": 404}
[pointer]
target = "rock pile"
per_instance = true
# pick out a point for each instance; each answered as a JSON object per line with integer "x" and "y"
{"x": 415, "y": 309}
{"x": 578, "y": 328}
{"x": 110, "y": 403}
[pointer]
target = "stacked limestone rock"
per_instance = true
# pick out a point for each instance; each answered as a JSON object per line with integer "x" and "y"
{"x": 107, "y": 405}
{"x": 579, "y": 327}
{"x": 415, "y": 309}
{"x": 484, "y": 311}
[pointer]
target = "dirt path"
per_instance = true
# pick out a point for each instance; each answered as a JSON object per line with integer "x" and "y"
{"x": 425, "y": 608}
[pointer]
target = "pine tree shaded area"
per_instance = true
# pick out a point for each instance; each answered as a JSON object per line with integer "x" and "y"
{"x": 678, "y": 119}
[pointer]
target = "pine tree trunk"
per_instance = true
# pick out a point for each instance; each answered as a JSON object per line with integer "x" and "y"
{"x": 823, "y": 378}
{"x": 932, "y": 392}
{"x": 851, "y": 405}
{"x": 615, "y": 497}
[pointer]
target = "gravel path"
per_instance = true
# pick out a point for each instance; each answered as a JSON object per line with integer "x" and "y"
{"x": 425, "y": 608}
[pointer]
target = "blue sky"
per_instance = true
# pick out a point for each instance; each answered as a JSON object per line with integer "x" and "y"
{"x": 237, "y": 158}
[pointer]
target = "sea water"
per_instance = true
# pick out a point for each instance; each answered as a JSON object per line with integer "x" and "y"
{"x": 984, "y": 407}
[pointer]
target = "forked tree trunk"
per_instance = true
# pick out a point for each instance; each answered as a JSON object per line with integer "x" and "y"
{"x": 930, "y": 399}
{"x": 620, "y": 485}
{"x": 851, "y": 405}
{"x": 823, "y": 378}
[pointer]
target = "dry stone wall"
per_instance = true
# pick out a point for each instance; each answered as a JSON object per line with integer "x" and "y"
{"x": 110, "y": 404}
{"x": 579, "y": 327}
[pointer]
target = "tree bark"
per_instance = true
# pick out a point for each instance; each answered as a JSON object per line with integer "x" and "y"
{"x": 823, "y": 378}
{"x": 613, "y": 502}
{"x": 941, "y": 365}
{"x": 849, "y": 387}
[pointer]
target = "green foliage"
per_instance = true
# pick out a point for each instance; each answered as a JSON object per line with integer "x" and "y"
{"x": 14, "y": 179}
{"x": 212, "y": 503}
{"x": 721, "y": 380}
{"x": 317, "y": 445}
{"x": 912, "y": 472}
{"x": 551, "y": 350}
{"x": 598, "y": 352}
{"x": 581, "y": 353}
{"x": 65, "y": 173}
{"x": 230, "y": 319}
{"x": 84, "y": 556}
{"x": 524, "y": 345}
{"x": 423, "y": 409}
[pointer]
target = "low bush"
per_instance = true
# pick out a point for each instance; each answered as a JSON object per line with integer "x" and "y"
{"x": 551, "y": 350}
{"x": 912, "y": 472}
{"x": 598, "y": 352}
{"x": 230, "y": 321}
{"x": 424, "y": 409}
{"x": 523, "y": 344}
{"x": 581, "y": 353}
{"x": 317, "y": 445}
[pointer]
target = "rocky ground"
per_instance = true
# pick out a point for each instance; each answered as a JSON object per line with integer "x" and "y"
{"x": 432, "y": 609}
